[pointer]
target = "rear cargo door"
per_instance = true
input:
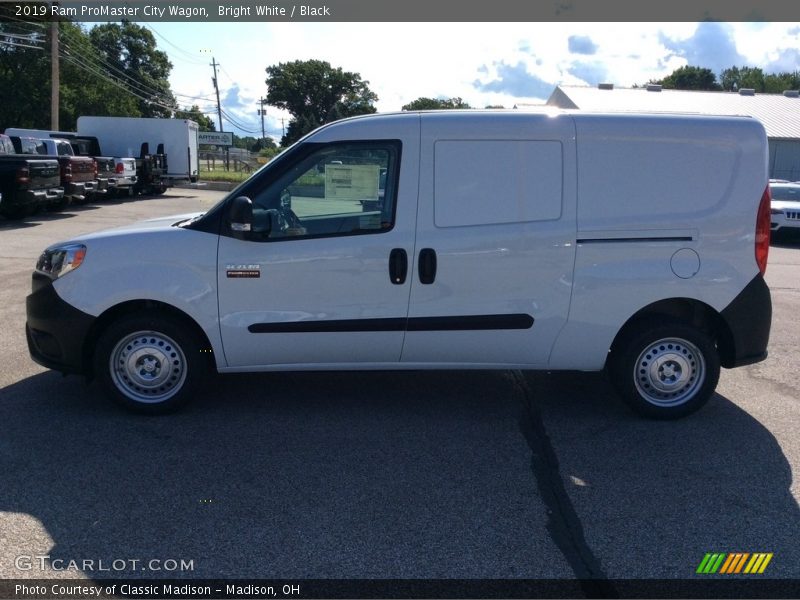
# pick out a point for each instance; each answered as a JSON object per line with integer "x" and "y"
{"x": 492, "y": 271}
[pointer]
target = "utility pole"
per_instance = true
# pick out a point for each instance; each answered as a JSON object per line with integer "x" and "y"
{"x": 262, "y": 111}
{"x": 283, "y": 129}
{"x": 55, "y": 79}
{"x": 214, "y": 64}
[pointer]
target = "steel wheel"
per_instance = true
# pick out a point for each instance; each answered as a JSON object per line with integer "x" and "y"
{"x": 664, "y": 368}
{"x": 148, "y": 367}
{"x": 152, "y": 362}
{"x": 669, "y": 371}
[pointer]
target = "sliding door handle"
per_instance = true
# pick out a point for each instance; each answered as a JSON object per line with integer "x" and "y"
{"x": 427, "y": 265}
{"x": 398, "y": 266}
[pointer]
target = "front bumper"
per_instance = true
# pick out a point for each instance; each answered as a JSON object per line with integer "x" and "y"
{"x": 789, "y": 219}
{"x": 56, "y": 331}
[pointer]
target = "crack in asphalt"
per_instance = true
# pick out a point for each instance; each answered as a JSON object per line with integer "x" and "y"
{"x": 563, "y": 523}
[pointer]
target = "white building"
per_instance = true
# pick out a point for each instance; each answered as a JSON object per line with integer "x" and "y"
{"x": 780, "y": 113}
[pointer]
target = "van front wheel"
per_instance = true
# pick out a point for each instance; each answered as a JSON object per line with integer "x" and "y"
{"x": 148, "y": 363}
{"x": 665, "y": 370}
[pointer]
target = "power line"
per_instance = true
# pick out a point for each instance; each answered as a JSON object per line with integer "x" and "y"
{"x": 186, "y": 53}
{"x": 100, "y": 74}
{"x": 238, "y": 125}
{"x": 95, "y": 58}
{"x": 98, "y": 61}
{"x": 91, "y": 60}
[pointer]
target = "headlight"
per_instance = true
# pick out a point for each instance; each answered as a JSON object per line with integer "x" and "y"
{"x": 776, "y": 211}
{"x": 60, "y": 260}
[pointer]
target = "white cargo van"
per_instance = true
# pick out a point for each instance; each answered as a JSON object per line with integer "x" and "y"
{"x": 439, "y": 240}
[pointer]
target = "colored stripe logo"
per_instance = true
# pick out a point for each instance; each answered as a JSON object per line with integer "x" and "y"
{"x": 733, "y": 563}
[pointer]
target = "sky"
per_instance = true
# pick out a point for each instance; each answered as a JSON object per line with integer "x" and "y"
{"x": 504, "y": 64}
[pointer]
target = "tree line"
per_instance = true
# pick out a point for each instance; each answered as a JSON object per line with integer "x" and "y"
{"x": 730, "y": 80}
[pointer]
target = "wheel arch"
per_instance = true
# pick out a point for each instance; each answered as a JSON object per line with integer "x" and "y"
{"x": 130, "y": 307}
{"x": 687, "y": 310}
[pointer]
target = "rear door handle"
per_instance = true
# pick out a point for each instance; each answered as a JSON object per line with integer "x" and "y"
{"x": 398, "y": 266}
{"x": 427, "y": 265}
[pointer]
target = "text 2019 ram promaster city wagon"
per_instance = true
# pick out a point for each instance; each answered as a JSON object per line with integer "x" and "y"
{"x": 439, "y": 240}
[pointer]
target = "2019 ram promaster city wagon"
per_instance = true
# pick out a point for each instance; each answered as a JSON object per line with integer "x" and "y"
{"x": 635, "y": 243}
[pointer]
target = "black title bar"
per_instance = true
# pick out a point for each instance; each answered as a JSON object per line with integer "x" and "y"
{"x": 203, "y": 11}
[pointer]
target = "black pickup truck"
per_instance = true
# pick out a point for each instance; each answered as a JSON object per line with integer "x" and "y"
{"x": 26, "y": 184}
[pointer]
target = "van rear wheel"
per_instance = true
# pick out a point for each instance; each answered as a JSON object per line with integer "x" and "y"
{"x": 665, "y": 369}
{"x": 149, "y": 364}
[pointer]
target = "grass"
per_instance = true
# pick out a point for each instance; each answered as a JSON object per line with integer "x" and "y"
{"x": 220, "y": 175}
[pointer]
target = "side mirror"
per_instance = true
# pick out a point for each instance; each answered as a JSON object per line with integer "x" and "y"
{"x": 240, "y": 217}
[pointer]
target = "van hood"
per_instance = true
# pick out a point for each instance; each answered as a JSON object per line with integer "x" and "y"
{"x": 785, "y": 204}
{"x": 150, "y": 225}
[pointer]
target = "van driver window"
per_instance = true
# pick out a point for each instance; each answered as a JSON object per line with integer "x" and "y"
{"x": 341, "y": 189}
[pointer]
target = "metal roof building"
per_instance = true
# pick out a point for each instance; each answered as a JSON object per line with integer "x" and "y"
{"x": 780, "y": 113}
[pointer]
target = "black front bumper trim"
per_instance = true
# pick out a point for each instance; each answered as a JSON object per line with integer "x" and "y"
{"x": 55, "y": 330}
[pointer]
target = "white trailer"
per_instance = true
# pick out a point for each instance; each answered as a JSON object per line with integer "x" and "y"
{"x": 124, "y": 136}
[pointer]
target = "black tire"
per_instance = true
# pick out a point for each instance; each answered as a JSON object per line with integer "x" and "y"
{"x": 665, "y": 369}
{"x": 141, "y": 346}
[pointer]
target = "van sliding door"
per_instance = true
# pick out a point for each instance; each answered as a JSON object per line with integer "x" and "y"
{"x": 495, "y": 239}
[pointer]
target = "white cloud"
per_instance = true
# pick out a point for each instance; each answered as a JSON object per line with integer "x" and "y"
{"x": 404, "y": 61}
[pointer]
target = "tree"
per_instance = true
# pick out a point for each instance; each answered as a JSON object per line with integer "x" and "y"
{"x": 129, "y": 50}
{"x": 737, "y": 78}
{"x": 253, "y": 144}
{"x": 436, "y": 104}
{"x": 315, "y": 93}
{"x": 85, "y": 89}
{"x": 24, "y": 79}
{"x": 778, "y": 82}
{"x": 690, "y": 78}
{"x": 88, "y": 87}
{"x": 205, "y": 122}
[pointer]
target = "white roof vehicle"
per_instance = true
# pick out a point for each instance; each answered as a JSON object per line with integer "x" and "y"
{"x": 453, "y": 239}
{"x": 785, "y": 205}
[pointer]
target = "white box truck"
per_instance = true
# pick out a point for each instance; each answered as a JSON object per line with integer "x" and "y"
{"x": 124, "y": 136}
{"x": 440, "y": 240}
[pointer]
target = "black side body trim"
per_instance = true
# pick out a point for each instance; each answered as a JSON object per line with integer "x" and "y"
{"x": 55, "y": 329}
{"x": 460, "y": 323}
{"x": 749, "y": 318}
{"x": 634, "y": 239}
{"x": 390, "y": 324}
{"x": 471, "y": 323}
